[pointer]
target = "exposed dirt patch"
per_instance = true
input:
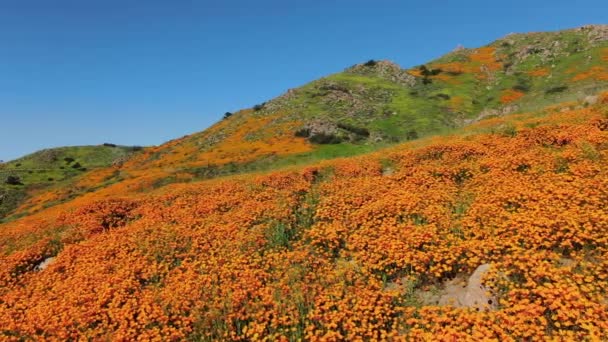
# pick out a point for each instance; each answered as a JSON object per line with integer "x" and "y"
{"x": 462, "y": 292}
{"x": 44, "y": 264}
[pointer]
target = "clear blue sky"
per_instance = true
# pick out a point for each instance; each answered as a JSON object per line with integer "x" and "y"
{"x": 143, "y": 72}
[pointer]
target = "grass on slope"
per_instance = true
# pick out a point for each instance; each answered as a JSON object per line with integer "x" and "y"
{"x": 52, "y": 167}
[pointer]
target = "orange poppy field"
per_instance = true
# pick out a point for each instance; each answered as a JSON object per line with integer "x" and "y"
{"x": 344, "y": 249}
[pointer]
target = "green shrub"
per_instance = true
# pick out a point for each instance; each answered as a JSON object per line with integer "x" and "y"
{"x": 357, "y": 130}
{"x": 441, "y": 96}
{"x": 411, "y": 135}
{"x": 429, "y": 72}
{"x": 324, "y": 138}
{"x": 370, "y": 63}
{"x": 303, "y": 133}
{"x": 426, "y": 72}
{"x": 13, "y": 180}
{"x": 523, "y": 84}
{"x": 556, "y": 90}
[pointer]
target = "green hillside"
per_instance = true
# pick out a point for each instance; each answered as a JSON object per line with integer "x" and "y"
{"x": 376, "y": 103}
{"x": 456, "y": 89}
{"x": 53, "y": 167}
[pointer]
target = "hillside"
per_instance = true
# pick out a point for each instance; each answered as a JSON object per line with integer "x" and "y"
{"x": 378, "y": 102}
{"x": 464, "y": 199}
{"x": 345, "y": 249}
{"x": 53, "y": 168}
{"x": 370, "y": 106}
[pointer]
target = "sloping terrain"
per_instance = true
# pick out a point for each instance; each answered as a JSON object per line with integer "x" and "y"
{"x": 378, "y": 102}
{"x": 341, "y": 250}
{"x": 370, "y": 106}
{"x": 53, "y": 168}
{"x": 245, "y": 232}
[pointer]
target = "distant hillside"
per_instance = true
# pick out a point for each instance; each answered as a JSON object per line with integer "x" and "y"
{"x": 50, "y": 168}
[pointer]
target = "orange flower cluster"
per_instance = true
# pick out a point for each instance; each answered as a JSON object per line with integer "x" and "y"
{"x": 482, "y": 63}
{"x": 486, "y": 58}
{"x": 541, "y": 72}
{"x": 228, "y": 141}
{"x": 510, "y": 95}
{"x": 344, "y": 250}
{"x": 456, "y": 102}
{"x": 242, "y": 138}
{"x": 598, "y": 73}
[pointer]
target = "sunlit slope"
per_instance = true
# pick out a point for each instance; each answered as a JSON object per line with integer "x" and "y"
{"x": 379, "y": 102}
{"x": 54, "y": 168}
{"x": 369, "y": 106}
{"x": 342, "y": 250}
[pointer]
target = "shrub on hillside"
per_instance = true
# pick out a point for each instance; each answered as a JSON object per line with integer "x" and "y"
{"x": 370, "y": 63}
{"x": 523, "y": 85}
{"x": 324, "y": 138}
{"x": 13, "y": 180}
{"x": 429, "y": 72}
{"x": 556, "y": 90}
{"x": 303, "y": 133}
{"x": 411, "y": 135}
{"x": 356, "y": 130}
{"x": 441, "y": 96}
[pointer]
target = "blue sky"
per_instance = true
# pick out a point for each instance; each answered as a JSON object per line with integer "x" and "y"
{"x": 144, "y": 72}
